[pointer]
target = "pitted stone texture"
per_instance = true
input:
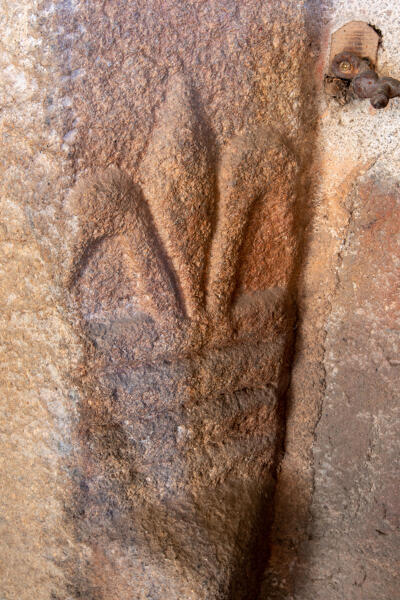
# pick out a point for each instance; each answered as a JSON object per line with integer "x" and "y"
{"x": 185, "y": 370}
{"x": 354, "y": 531}
{"x": 173, "y": 260}
{"x": 241, "y": 60}
{"x": 351, "y": 140}
{"x": 37, "y": 347}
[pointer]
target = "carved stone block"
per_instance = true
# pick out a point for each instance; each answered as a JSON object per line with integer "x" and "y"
{"x": 186, "y": 359}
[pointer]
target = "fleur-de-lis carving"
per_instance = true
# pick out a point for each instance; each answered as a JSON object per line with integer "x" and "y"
{"x": 172, "y": 247}
{"x": 191, "y": 344}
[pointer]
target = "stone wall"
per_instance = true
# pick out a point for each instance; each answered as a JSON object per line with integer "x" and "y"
{"x": 198, "y": 305}
{"x": 336, "y": 529}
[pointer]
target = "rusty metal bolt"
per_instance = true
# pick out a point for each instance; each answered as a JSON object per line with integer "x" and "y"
{"x": 365, "y": 84}
{"x": 345, "y": 66}
{"x": 380, "y": 100}
{"x": 364, "y": 81}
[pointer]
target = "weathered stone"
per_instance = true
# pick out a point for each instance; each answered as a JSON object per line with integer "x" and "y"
{"x": 318, "y": 547}
{"x": 180, "y": 425}
{"x": 161, "y": 196}
{"x": 354, "y": 532}
{"x": 160, "y": 191}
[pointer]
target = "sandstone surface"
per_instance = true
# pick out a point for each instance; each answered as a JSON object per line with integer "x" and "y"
{"x": 199, "y": 294}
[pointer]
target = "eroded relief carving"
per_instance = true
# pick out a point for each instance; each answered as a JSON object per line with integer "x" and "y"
{"x": 188, "y": 322}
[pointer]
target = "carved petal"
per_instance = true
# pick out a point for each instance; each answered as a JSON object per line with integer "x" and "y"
{"x": 108, "y": 206}
{"x": 178, "y": 182}
{"x": 251, "y": 169}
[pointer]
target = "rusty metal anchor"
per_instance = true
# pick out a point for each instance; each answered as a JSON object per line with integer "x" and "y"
{"x": 365, "y": 82}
